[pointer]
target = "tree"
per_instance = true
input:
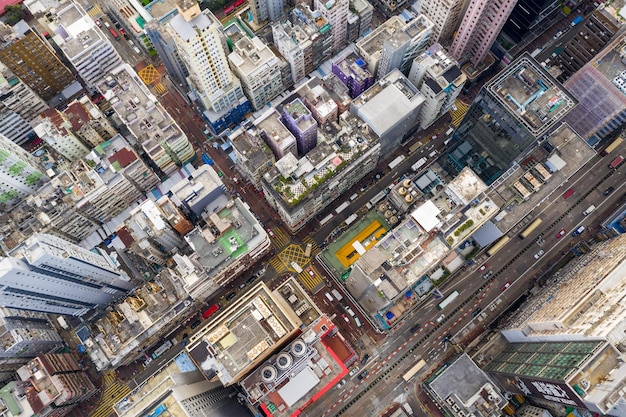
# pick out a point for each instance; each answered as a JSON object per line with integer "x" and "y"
{"x": 13, "y": 14}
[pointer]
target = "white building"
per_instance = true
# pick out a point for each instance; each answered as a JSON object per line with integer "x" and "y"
{"x": 395, "y": 44}
{"x": 258, "y": 69}
{"x": 201, "y": 44}
{"x": 445, "y": 16}
{"x": 20, "y": 172}
{"x": 439, "y": 79}
{"x": 49, "y": 274}
{"x": 84, "y": 45}
{"x": 336, "y": 13}
{"x": 61, "y": 139}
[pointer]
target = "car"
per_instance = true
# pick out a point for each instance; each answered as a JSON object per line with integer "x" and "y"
{"x": 230, "y": 295}
{"x": 269, "y": 232}
{"x": 365, "y": 358}
{"x": 235, "y": 180}
{"x": 608, "y": 191}
{"x": 507, "y": 285}
{"x": 310, "y": 271}
{"x": 488, "y": 274}
{"x": 363, "y": 189}
{"x": 122, "y": 32}
{"x": 350, "y": 311}
{"x": 539, "y": 254}
{"x": 557, "y": 35}
{"x": 98, "y": 23}
{"x": 195, "y": 324}
{"x": 340, "y": 383}
{"x": 251, "y": 280}
{"x": 476, "y": 311}
{"x": 446, "y": 338}
{"x": 345, "y": 318}
{"x": 354, "y": 371}
{"x": 241, "y": 286}
{"x": 483, "y": 267}
{"x": 184, "y": 340}
{"x": 363, "y": 374}
{"x": 561, "y": 233}
{"x": 220, "y": 174}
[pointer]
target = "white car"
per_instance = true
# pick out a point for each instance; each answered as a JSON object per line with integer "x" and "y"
{"x": 354, "y": 371}
{"x": 539, "y": 254}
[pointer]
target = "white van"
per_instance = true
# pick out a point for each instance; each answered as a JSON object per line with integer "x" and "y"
{"x": 328, "y": 296}
{"x": 358, "y": 322}
{"x": 589, "y": 210}
{"x": 137, "y": 51}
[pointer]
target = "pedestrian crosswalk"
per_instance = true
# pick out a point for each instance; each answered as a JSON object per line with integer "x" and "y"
{"x": 113, "y": 391}
{"x": 95, "y": 11}
{"x": 314, "y": 249}
{"x": 160, "y": 88}
{"x": 309, "y": 281}
{"x": 277, "y": 265}
{"x": 458, "y": 112}
{"x": 280, "y": 238}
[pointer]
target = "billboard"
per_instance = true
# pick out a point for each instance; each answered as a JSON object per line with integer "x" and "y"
{"x": 558, "y": 392}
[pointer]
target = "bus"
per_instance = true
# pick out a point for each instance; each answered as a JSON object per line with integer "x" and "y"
{"x": 210, "y": 311}
{"x": 499, "y": 244}
{"x": 296, "y": 267}
{"x": 228, "y": 10}
{"x": 396, "y": 162}
{"x": 307, "y": 250}
{"x": 612, "y": 146}
{"x": 616, "y": 162}
{"x": 342, "y": 207}
{"x": 162, "y": 349}
{"x": 448, "y": 300}
{"x": 414, "y": 370}
{"x": 114, "y": 34}
{"x": 531, "y": 228}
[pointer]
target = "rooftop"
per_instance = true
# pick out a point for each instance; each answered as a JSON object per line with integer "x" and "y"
{"x": 353, "y": 65}
{"x": 297, "y": 111}
{"x": 530, "y": 93}
{"x": 75, "y": 32}
{"x": 243, "y": 335}
{"x": 339, "y": 144}
{"x": 271, "y": 124}
{"x": 390, "y": 31}
{"x": 251, "y": 54}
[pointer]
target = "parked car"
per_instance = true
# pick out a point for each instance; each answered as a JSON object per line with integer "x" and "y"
{"x": 365, "y": 358}
{"x": 363, "y": 374}
{"x": 230, "y": 295}
{"x": 347, "y": 320}
{"x": 507, "y": 285}
{"x": 98, "y": 23}
{"x": 539, "y": 254}
{"x": 483, "y": 267}
{"x": 241, "y": 286}
{"x": 195, "y": 324}
{"x": 476, "y": 311}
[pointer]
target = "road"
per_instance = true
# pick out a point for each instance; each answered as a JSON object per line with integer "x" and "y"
{"x": 514, "y": 263}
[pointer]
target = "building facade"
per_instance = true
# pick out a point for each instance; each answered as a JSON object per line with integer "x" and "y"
{"x": 49, "y": 274}
{"x": 479, "y": 28}
{"x": 445, "y": 16}
{"x": 353, "y": 72}
{"x": 300, "y": 122}
{"x": 335, "y": 12}
{"x": 21, "y": 173}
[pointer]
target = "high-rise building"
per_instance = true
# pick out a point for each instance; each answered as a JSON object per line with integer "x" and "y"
{"x": 335, "y": 12}
{"x": 570, "y": 371}
{"x": 525, "y": 16}
{"x": 317, "y": 98}
{"x": 481, "y": 23}
{"x": 301, "y": 123}
{"x": 202, "y": 47}
{"x": 390, "y": 108}
{"x": 305, "y": 42}
{"x": 21, "y": 173}
{"x": 18, "y": 97}
{"x": 257, "y": 67}
{"x": 151, "y": 126}
{"x": 353, "y": 72}
{"x": 88, "y": 122}
{"x": 511, "y": 113}
{"x": 264, "y": 10}
{"x": 275, "y": 134}
{"x": 26, "y": 334}
{"x": 91, "y": 54}
{"x": 49, "y": 274}
{"x": 395, "y": 44}
{"x": 59, "y": 137}
{"x": 15, "y": 128}
{"x": 444, "y": 15}
{"x": 439, "y": 79}
{"x": 360, "y": 20}
{"x": 33, "y": 61}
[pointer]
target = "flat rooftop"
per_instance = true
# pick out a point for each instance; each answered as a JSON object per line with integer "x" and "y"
{"x": 390, "y": 31}
{"x": 78, "y": 31}
{"x": 243, "y": 335}
{"x": 274, "y": 128}
{"x": 530, "y": 93}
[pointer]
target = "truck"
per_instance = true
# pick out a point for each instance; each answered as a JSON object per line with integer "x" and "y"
{"x": 577, "y": 20}
{"x": 616, "y": 162}
{"x": 63, "y": 323}
{"x": 337, "y": 294}
{"x": 589, "y": 210}
{"x": 351, "y": 218}
{"x": 396, "y": 162}
{"x": 420, "y": 163}
{"x": 296, "y": 267}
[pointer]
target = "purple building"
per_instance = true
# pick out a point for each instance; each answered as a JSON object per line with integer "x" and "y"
{"x": 301, "y": 124}
{"x": 352, "y": 71}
